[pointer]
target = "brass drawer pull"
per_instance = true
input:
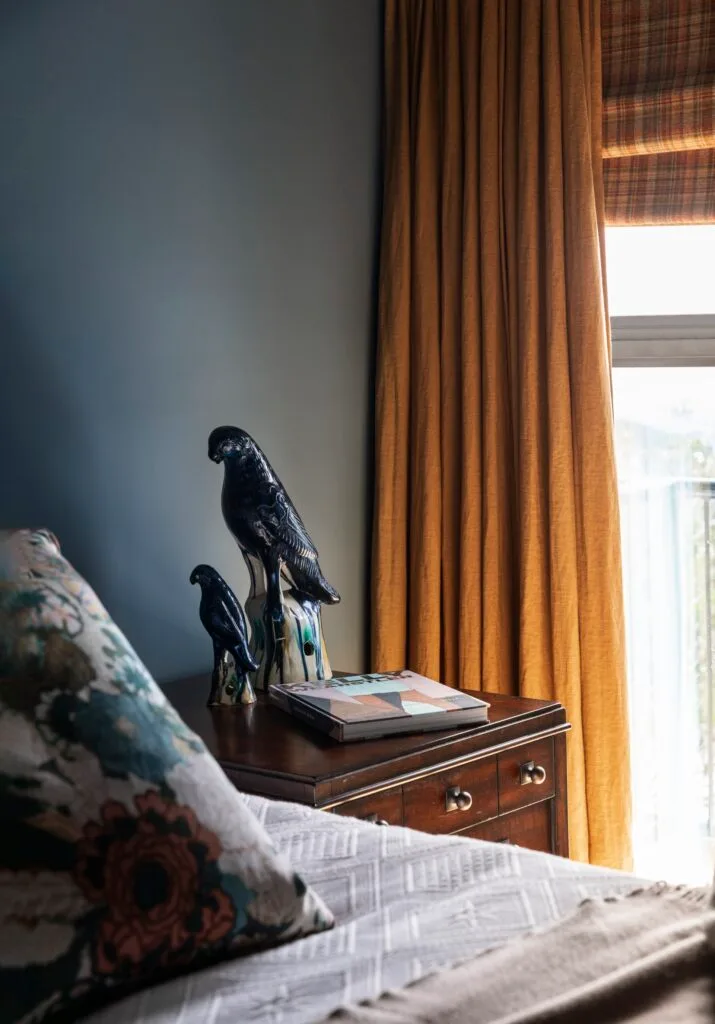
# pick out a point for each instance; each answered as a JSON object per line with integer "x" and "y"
{"x": 531, "y": 772}
{"x": 457, "y": 799}
{"x": 374, "y": 820}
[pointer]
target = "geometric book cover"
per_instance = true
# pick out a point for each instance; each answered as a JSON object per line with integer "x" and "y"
{"x": 381, "y": 697}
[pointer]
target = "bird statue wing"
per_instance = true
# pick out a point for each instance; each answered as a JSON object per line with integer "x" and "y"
{"x": 226, "y": 624}
{"x": 230, "y": 629}
{"x": 284, "y": 531}
{"x": 233, "y": 609}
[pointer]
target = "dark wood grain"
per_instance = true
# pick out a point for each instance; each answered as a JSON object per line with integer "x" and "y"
{"x": 512, "y": 794}
{"x": 530, "y": 827}
{"x": 559, "y": 818}
{"x": 399, "y": 779}
{"x": 425, "y": 799}
{"x": 265, "y": 750}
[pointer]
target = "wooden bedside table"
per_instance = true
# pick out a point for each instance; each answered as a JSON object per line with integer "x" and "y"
{"x": 504, "y": 781}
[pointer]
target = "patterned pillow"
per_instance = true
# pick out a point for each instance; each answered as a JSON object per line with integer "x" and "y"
{"x": 125, "y": 853}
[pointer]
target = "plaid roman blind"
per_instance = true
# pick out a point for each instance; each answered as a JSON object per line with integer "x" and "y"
{"x": 659, "y": 111}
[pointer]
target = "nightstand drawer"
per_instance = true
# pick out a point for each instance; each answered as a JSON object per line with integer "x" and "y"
{"x": 526, "y": 775}
{"x": 453, "y": 799}
{"x": 382, "y": 808}
{"x": 530, "y": 828}
{"x": 445, "y": 782}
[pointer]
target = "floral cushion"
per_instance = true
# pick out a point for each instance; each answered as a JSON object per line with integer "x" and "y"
{"x": 125, "y": 853}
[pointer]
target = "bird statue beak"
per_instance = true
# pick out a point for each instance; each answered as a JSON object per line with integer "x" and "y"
{"x": 216, "y": 457}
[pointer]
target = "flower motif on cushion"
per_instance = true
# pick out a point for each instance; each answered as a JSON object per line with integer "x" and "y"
{"x": 129, "y": 736}
{"x": 48, "y": 603}
{"x": 154, "y": 876}
{"x": 122, "y": 663}
{"x": 132, "y": 677}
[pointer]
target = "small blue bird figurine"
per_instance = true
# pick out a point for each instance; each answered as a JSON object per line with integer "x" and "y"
{"x": 222, "y": 617}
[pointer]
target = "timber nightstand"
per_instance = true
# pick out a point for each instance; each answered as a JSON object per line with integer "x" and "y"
{"x": 504, "y": 781}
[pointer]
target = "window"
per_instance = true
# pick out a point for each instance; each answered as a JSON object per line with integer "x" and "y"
{"x": 661, "y": 271}
{"x": 661, "y": 284}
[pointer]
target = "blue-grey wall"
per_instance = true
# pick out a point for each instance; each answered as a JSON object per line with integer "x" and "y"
{"x": 188, "y": 204}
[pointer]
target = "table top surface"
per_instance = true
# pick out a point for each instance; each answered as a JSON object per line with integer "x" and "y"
{"x": 263, "y": 738}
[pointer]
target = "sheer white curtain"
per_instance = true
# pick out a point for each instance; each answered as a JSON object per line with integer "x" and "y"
{"x": 666, "y": 451}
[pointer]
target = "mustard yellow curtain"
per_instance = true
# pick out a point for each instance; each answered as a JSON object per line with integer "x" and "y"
{"x": 496, "y": 561}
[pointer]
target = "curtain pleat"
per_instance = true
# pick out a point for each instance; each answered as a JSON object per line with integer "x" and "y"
{"x": 496, "y": 561}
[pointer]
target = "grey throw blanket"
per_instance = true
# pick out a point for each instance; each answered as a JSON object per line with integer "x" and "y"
{"x": 645, "y": 958}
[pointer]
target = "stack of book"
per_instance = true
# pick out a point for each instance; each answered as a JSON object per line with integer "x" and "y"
{"x": 362, "y": 707}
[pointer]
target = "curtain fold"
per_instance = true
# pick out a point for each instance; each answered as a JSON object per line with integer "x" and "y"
{"x": 659, "y": 111}
{"x": 496, "y": 560}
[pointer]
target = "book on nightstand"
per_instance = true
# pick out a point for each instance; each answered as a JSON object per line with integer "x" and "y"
{"x": 360, "y": 707}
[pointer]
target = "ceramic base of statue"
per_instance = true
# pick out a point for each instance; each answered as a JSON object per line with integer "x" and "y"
{"x": 229, "y": 688}
{"x": 298, "y": 652}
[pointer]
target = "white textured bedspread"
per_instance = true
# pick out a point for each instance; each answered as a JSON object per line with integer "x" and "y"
{"x": 405, "y": 903}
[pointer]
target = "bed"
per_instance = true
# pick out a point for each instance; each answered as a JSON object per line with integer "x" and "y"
{"x": 125, "y": 843}
{"x": 406, "y": 903}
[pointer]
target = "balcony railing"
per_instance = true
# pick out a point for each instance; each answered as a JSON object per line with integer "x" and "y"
{"x": 703, "y": 492}
{"x": 668, "y": 528}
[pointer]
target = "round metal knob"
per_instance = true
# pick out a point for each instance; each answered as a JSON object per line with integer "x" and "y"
{"x": 458, "y": 799}
{"x": 374, "y": 820}
{"x": 532, "y": 772}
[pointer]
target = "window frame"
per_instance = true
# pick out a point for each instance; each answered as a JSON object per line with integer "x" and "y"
{"x": 672, "y": 340}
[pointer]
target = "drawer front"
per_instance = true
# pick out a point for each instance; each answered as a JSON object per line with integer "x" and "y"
{"x": 381, "y": 808}
{"x": 453, "y": 799}
{"x": 526, "y": 775}
{"x": 530, "y": 828}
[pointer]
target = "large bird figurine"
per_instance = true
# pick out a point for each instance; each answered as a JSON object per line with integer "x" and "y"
{"x": 267, "y": 528}
{"x": 222, "y": 617}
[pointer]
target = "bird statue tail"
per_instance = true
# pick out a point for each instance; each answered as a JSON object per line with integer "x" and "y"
{"x": 313, "y": 585}
{"x": 331, "y": 594}
{"x": 245, "y": 660}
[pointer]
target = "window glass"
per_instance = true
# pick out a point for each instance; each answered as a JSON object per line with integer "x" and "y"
{"x": 665, "y": 442}
{"x": 661, "y": 271}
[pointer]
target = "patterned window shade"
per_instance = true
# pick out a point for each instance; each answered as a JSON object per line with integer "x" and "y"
{"x": 659, "y": 111}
